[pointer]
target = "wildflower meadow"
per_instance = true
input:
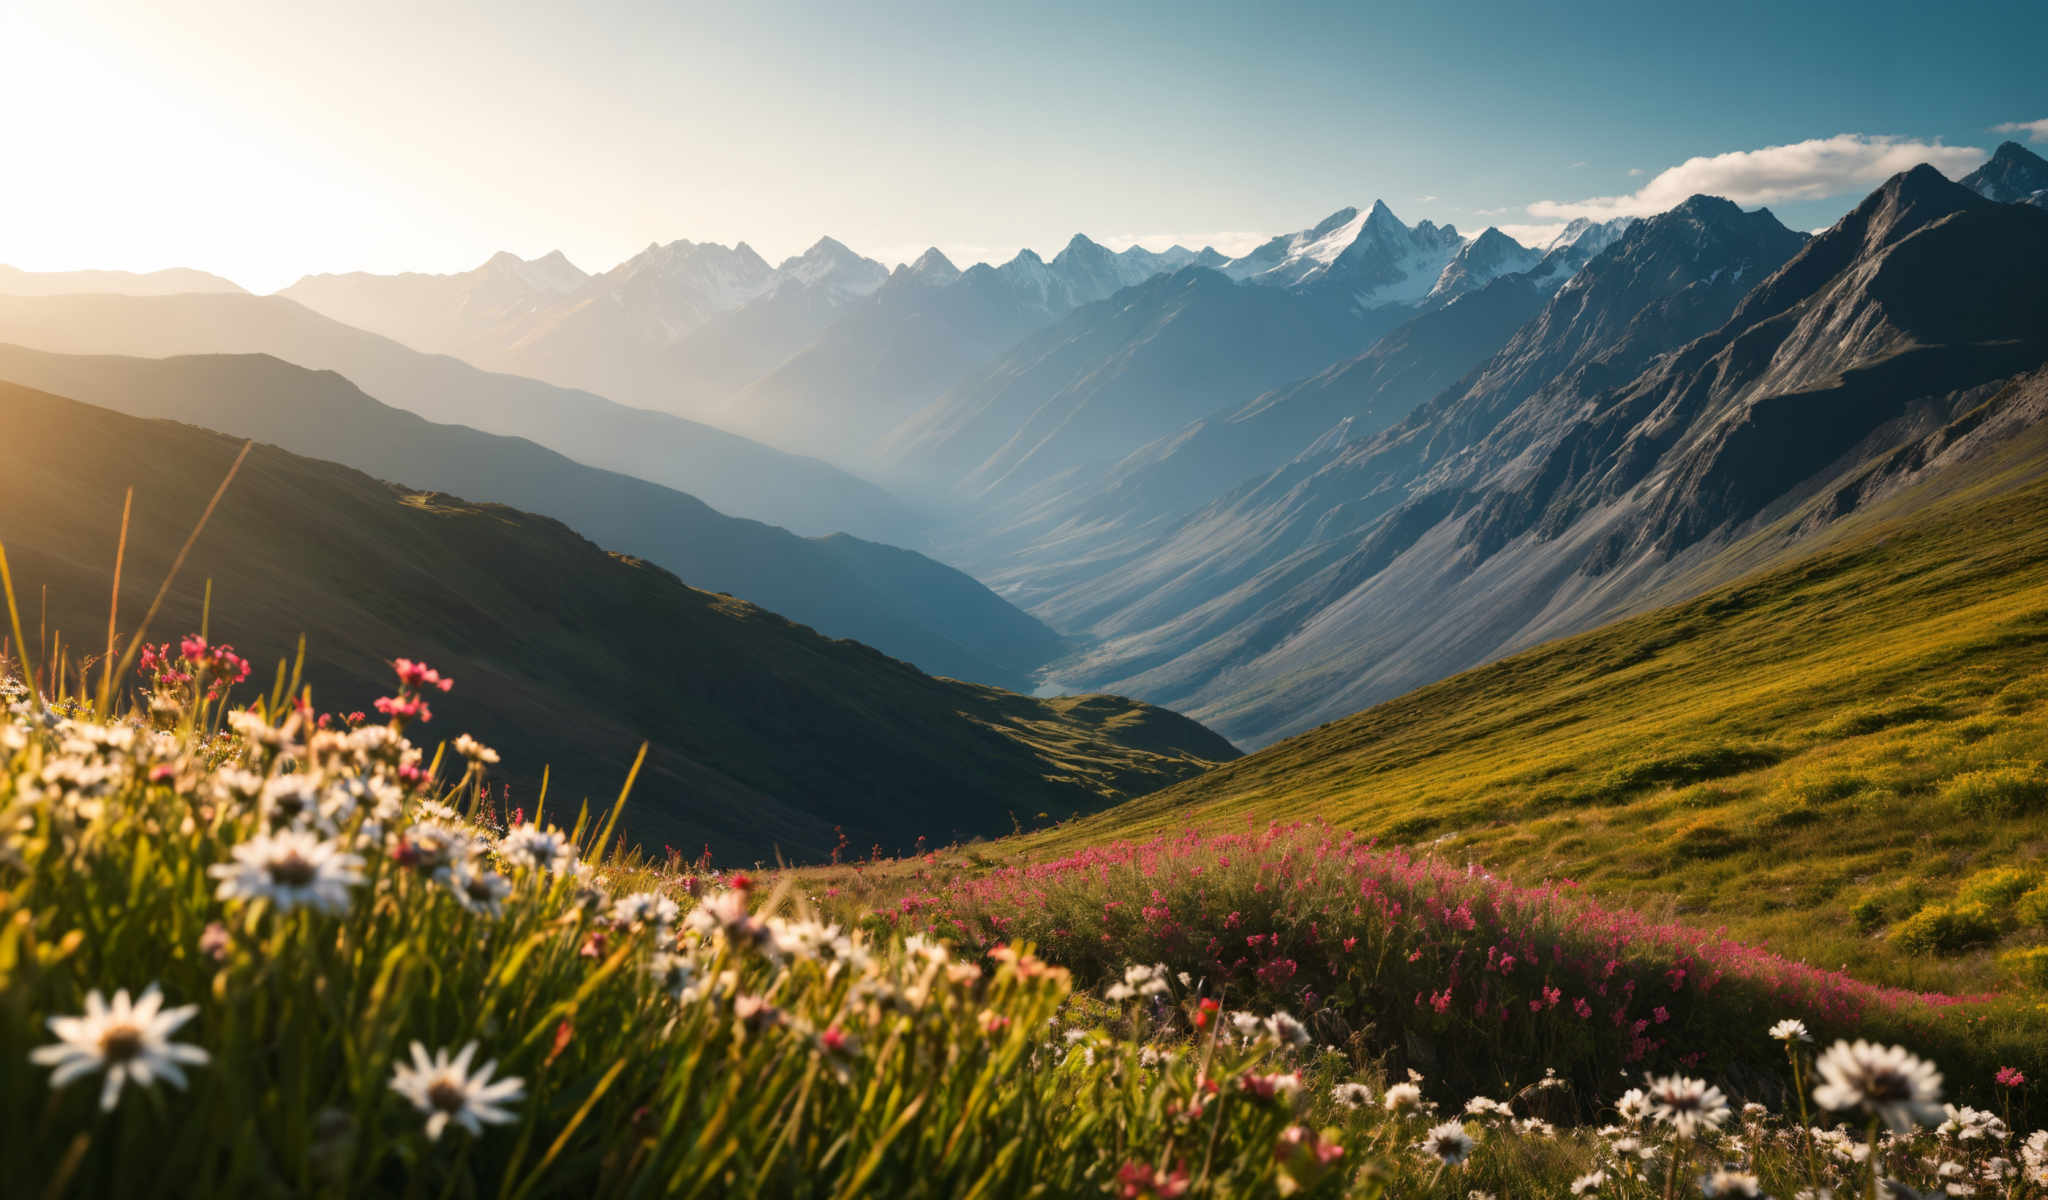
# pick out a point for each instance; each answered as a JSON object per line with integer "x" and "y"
{"x": 250, "y": 947}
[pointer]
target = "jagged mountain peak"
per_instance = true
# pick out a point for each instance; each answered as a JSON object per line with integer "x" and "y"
{"x": 933, "y": 264}
{"x": 1902, "y": 205}
{"x": 830, "y": 264}
{"x": 1492, "y": 241}
{"x": 1372, "y": 257}
{"x": 2011, "y": 153}
{"x": 1380, "y": 218}
{"x": 2013, "y": 175}
{"x": 1331, "y": 224}
{"x": 1704, "y": 208}
{"x": 1481, "y": 261}
{"x": 552, "y": 272}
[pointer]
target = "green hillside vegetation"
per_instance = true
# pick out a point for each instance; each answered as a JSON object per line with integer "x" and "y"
{"x": 766, "y": 736}
{"x": 1841, "y": 758}
{"x": 898, "y": 601}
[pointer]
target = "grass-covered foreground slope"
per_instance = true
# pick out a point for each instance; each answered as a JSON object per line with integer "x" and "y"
{"x": 263, "y": 950}
{"x": 765, "y": 735}
{"x": 1824, "y": 756}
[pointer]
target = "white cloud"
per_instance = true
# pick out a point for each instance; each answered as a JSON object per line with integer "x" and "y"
{"x": 1424, "y": 199}
{"x": 1809, "y": 170}
{"x": 1581, "y": 163}
{"x": 2036, "y": 131}
{"x": 1635, "y": 170}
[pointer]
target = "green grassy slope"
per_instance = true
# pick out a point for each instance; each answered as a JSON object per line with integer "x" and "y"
{"x": 765, "y": 733}
{"x": 1811, "y": 754}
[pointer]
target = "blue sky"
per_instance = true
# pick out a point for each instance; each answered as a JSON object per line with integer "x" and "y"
{"x": 264, "y": 141}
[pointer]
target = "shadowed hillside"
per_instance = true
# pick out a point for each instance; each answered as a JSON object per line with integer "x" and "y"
{"x": 766, "y": 735}
{"x": 726, "y": 471}
{"x": 897, "y": 601}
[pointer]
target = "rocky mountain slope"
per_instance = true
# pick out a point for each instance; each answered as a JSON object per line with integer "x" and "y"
{"x": 1682, "y": 391}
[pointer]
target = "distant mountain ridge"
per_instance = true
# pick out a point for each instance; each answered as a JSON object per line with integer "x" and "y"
{"x": 765, "y": 738}
{"x": 732, "y": 474}
{"x": 16, "y": 282}
{"x": 681, "y": 327}
{"x": 1704, "y": 376}
{"x": 897, "y": 601}
{"x": 1035, "y": 435}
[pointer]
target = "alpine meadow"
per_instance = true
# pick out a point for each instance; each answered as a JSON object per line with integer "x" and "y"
{"x": 607, "y": 600}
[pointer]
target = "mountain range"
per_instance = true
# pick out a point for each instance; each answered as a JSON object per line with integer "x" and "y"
{"x": 764, "y": 737}
{"x": 731, "y": 473}
{"x": 897, "y": 601}
{"x": 16, "y": 282}
{"x": 1267, "y": 490}
{"x": 1705, "y": 376}
{"x": 687, "y": 327}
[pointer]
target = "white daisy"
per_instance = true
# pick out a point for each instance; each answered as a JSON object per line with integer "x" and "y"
{"x": 1790, "y": 1030}
{"x": 129, "y": 1041}
{"x": 1592, "y": 1181}
{"x": 291, "y": 800}
{"x": 447, "y": 1090}
{"x": 542, "y": 849}
{"x": 473, "y": 750}
{"x": 1687, "y": 1105}
{"x": 1633, "y": 1106}
{"x": 1896, "y": 1086}
{"x": 291, "y": 869}
{"x": 1286, "y": 1030}
{"x": 1402, "y": 1097}
{"x": 1351, "y": 1095}
{"x": 477, "y": 888}
{"x": 1448, "y": 1142}
{"x": 1730, "y": 1182}
{"x": 646, "y": 908}
{"x": 677, "y": 975}
{"x": 1138, "y": 980}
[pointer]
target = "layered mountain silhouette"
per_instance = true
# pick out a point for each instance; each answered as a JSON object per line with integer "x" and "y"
{"x": 1268, "y": 489}
{"x": 731, "y": 473}
{"x": 16, "y": 282}
{"x": 1037, "y": 429}
{"x": 1706, "y": 380}
{"x": 1609, "y": 317}
{"x": 897, "y": 601}
{"x": 931, "y": 326}
{"x": 714, "y": 332}
{"x": 1114, "y": 375}
{"x": 765, "y": 736}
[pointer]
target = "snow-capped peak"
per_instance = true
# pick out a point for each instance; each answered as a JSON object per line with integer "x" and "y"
{"x": 934, "y": 266}
{"x": 1371, "y": 254}
{"x": 1575, "y": 246}
{"x": 829, "y": 264}
{"x": 1481, "y": 261}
